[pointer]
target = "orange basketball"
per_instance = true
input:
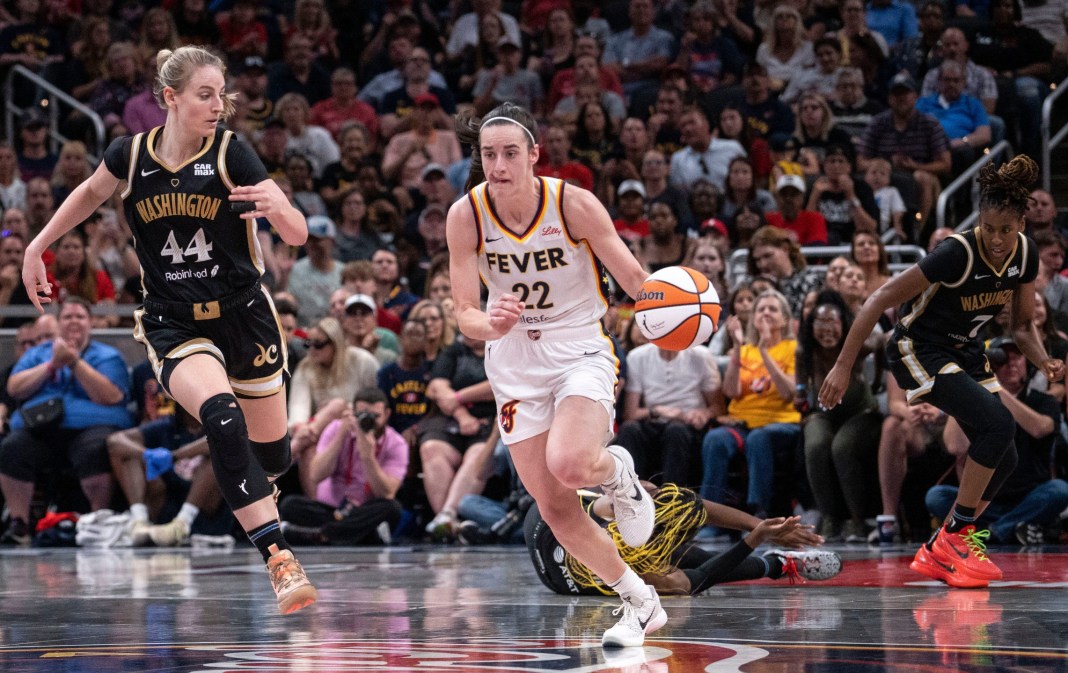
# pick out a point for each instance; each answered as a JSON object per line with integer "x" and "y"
{"x": 676, "y": 308}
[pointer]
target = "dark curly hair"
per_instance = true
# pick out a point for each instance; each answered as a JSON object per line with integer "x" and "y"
{"x": 1008, "y": 187}
{"x": 469, "y": 129}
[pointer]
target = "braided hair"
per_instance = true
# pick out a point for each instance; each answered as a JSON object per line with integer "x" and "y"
{"x": 469, "y": 129}
{"x": 1008, "y": 187}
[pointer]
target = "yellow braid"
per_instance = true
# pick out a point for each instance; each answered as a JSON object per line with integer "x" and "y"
{"x": 679, "y": 515}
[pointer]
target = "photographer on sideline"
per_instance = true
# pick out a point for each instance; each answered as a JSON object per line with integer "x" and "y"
{"x": 358, "y": 466}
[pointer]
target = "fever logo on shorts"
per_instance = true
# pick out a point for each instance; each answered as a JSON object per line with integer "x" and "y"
{"x": 267, "y": 355}
{"x": 508, "y": 415}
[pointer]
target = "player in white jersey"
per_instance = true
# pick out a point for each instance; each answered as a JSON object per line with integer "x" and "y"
{"x": 538, "y": 245}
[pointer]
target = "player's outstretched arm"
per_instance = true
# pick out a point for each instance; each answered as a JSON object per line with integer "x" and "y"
{"x": 74, "y": 210}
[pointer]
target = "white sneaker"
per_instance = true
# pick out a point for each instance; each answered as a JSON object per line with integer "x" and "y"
{"x": 637, "y": 620}
{"x": 811, "y": 564}
{"x": 633, "y": 506}
{"x": 173, "y": 534}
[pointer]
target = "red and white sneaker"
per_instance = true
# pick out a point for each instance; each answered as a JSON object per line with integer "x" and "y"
{"x": 927, "y": 563}
{"x": 966, "y": 549}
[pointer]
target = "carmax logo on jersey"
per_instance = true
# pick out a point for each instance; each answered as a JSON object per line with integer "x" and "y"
{"x": 184, "y": 274}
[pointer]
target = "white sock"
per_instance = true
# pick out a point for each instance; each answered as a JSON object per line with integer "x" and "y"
{"x": 630, "y": 587}
{"x": 188, "y": 513}
{"x": 617, "y": 473}
{"x": 139, "y": 511}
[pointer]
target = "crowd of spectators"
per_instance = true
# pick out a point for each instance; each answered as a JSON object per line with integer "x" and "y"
{"x": 705, "y": 127}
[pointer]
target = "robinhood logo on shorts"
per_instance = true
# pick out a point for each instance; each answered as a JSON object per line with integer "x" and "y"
{"x": 267, "y": 356}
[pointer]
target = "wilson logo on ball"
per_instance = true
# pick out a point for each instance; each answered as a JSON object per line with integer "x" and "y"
{"x": 676, "y": 308}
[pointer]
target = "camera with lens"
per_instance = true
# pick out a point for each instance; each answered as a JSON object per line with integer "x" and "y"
{"x": 366, "y": 420}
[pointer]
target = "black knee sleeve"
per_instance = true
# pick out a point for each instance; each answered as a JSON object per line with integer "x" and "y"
{"x": 241, "y": 479}
{"x": 996, "y": 429}
{"x": 274, "y": 457}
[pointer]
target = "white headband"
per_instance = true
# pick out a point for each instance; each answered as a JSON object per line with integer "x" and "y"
{"x": 509, "y": 119}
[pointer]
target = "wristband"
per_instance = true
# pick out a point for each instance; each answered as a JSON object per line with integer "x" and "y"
{"x": 458, "y": 400}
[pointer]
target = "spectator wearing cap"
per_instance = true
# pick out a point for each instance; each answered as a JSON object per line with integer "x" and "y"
{"x": 434, "y": 190}
{"x": 640, "y": 53}
{"x": 765, "y": 115}
{"x": 507, "y": 81}
{"x": 241, "y": 34}
{"x": 34, "y": 158}
{"x": 703, "y": 157}
{"x": 852, "y": 110}
{"x": 710, "y": 58}
{"x": 465, "y": 30}
{"x": 563, "y": 82}
{"x": 715, "y": 232}
{"x": 558, "y": 162}
{"x": 408, "y": 152}
{"x": 961, "y": 115}
{"x": 1030, "y": 500}
{"x": 250, "y": 81}
{"x": 396, "y": 106}
{"x": 358, "y": 322}
{"x": 807, "y": 226}
{"x": 314, "y": 142}
{"x": 359, "y": 278}
{"x": 631, "y": 223}
{"x": 342, "y": 107}
{"x": 298, "y": 72}
{"x": 913, "y": 142}
{"x": 318, "y": 274}
{"x": 846, "y": 204}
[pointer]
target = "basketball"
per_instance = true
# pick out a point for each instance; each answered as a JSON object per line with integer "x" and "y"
{"x": 676, "y": 308}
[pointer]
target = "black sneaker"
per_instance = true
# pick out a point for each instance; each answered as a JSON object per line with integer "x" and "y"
{"x": 470, "y": 533}
{"x": 1030, "y": 534}
{"x": 17, "y": 534}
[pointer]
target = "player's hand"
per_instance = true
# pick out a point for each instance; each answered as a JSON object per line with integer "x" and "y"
{"x": 769, "y": 528}
{"x": 797, "y": 537}
{"x": 35, "y": 279}
{"x": 1054, "y": 369}
{"x": 834, "y": 386}
{"x": 504, "y": 313}
{"x": 267, "y": 202}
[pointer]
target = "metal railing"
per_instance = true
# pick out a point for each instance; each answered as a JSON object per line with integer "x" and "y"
{"x": 901, "y": 257}
{"x": 1049, "y": 143}
{"x": 968, "y": 177}
{"x": 49, "y": 97}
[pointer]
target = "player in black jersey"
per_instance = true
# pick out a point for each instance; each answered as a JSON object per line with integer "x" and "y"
{"x": 669, "y": 561}
{"x": 936, "y": 355}
{"x": 211, "y": 332}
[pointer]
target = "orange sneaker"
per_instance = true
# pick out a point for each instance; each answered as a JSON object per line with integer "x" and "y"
{"x": 966, "y": 549}
{"x": 926, "y": 563}
{"x": 291, "y": 585}
{"x": 958, "y": 619}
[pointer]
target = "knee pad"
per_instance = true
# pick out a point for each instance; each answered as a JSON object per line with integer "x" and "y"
{"x": 274, "y": 457}
{"x": 240, "y": 478}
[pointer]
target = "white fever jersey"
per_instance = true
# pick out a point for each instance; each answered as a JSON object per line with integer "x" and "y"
{"x": 558, "y": 277}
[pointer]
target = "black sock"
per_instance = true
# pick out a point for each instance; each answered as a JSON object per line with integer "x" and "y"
{"x": 266, "y": 535}
{"x": 774, "y": 562}
{"x": 959, "y": 518}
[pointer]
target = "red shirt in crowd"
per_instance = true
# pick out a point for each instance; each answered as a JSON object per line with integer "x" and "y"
{"x": 572, "y": 171}
{"x": 809, "y": 226}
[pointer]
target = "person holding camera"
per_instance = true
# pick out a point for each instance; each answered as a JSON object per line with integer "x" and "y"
{"x": 358, "y": 466}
